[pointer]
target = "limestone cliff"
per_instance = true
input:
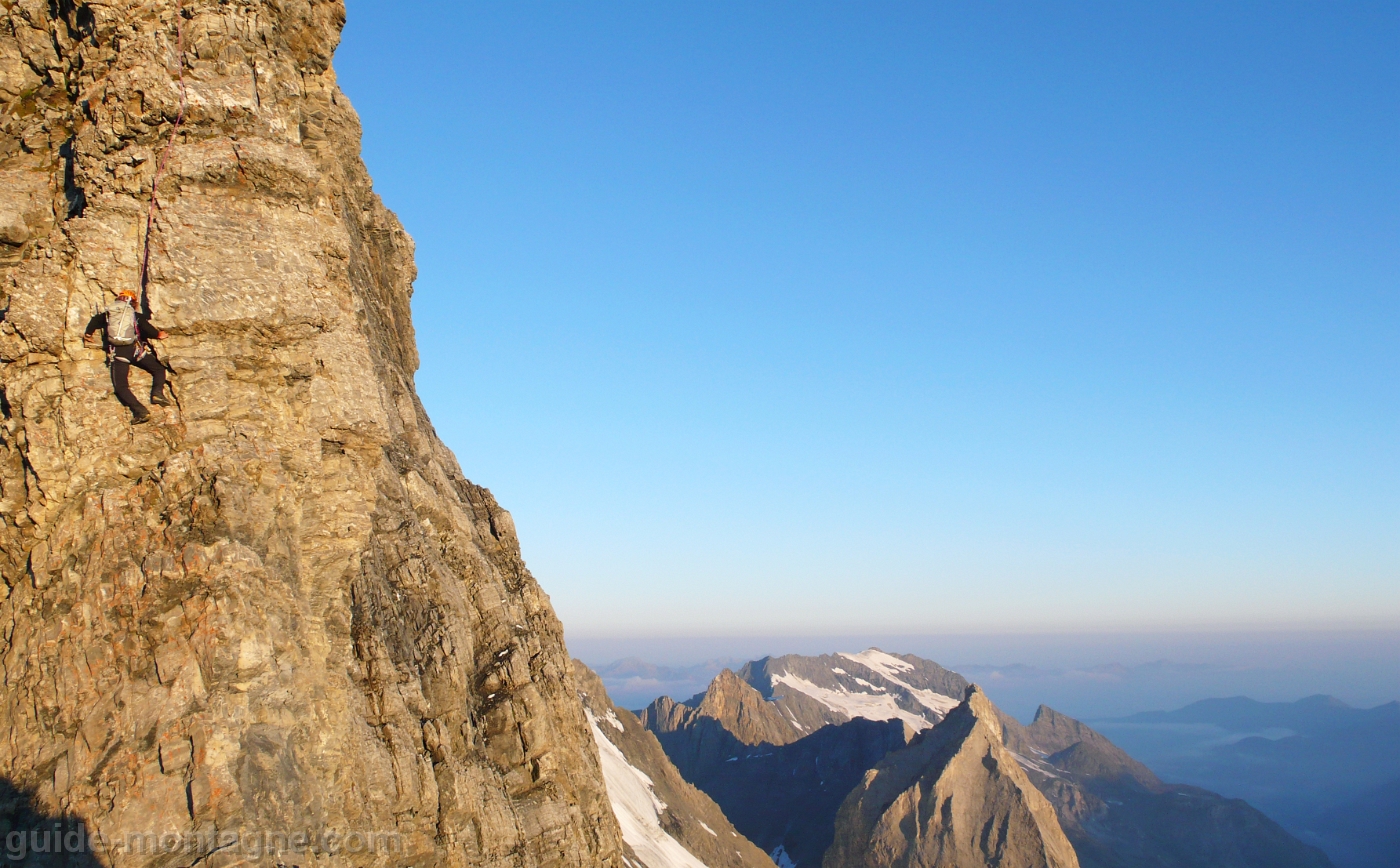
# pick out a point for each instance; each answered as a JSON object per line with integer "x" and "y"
{"x": 954, "y": 797}
{"x": 279, "y": 609}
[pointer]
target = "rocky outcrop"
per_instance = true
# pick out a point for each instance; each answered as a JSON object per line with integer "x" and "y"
{"x": 718, "y": 724}
{"x": 666, "y": 822}
{"x": 731, "y": 703}
{"x": 954, "y": 797}
{"x": 279, "y": 613}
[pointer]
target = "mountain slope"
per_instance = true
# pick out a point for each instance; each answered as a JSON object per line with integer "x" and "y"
{"x": 1363, "y": 833}
{"x": 742, "y": 751}
{"x": 954, "y": 798}
{"x": 716, "y": 725}
{"x": 279, "y": 606}
{"x": 666, "y": 821}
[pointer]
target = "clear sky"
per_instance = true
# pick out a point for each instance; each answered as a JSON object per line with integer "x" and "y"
{"x": 796, "y": 317}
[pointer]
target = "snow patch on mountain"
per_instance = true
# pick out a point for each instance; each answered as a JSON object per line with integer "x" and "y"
{"x": 935, "y": 702}
{"x": 891, "y": 667}
{"x": 1034, "y": 765}
{"x": 876, "y": 660}
{"x": 638, "y": 810}
{"x": 867, "y": 705}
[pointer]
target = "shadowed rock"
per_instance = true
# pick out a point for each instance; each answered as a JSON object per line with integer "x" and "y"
{"x": 715, "y": 725}
{"x": 780, "y": 788}
{"x": 31, "y": 837}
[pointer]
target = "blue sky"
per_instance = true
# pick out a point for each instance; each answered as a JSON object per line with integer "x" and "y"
{"x": 836, "y": 318}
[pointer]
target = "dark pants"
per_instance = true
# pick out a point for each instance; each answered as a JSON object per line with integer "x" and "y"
{"x": 121, "y": 369}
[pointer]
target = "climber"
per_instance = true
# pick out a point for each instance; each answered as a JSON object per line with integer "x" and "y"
{"x": 126, "y": 334}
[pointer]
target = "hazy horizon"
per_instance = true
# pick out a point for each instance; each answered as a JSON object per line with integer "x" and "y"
{"x": 1361, "y": 668}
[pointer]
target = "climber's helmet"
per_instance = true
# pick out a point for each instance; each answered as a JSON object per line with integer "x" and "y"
{"x": 128, "y": 296}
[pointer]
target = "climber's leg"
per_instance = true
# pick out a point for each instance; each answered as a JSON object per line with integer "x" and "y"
{"x": 151, "y": 365}
{"x": 121, "y": 373}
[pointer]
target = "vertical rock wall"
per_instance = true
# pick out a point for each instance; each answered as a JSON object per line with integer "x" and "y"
{"x": 279, "y": 608}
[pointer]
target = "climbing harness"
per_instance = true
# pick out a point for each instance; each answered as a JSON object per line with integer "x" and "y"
{"x": 169, "y": 146}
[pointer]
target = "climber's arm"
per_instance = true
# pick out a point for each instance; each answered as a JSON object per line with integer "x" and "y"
{"x": 96, "y": 324}
{"x": 150, "y": 332}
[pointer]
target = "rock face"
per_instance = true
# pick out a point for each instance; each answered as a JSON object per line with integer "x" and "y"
{"x": 279, "y": 609}
{"x": 666, "y": 822}
{"x": 955, "y": 797}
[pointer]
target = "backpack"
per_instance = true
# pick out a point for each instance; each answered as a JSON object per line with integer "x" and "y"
{"x": 121, "y": 324}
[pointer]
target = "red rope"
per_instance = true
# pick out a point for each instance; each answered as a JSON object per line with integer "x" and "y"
{"x": 165, "y": 155}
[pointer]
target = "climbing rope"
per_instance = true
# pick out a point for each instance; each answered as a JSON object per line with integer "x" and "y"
{"x": 165, "y": 155}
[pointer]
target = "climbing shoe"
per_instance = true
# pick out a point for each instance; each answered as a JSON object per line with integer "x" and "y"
{"x": 140, "y": 418}
{"x": 160, "y": 400}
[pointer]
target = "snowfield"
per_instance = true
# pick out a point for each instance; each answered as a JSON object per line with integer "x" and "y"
{"x": 637, "y": 808}
{"x": 876, "y": 701}
{"x": 891, "y": 667}
{"x": 871, "y": 706}
{"x": 887, "y": 665}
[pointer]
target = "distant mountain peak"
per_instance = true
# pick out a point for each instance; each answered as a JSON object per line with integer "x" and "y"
{"x": 1323, "y": 699}
{"x": 744, "y": 712}
{"x": 954, "y": 798}
{"x": 732, "y": 704}
{"x": 813, "y": 691}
